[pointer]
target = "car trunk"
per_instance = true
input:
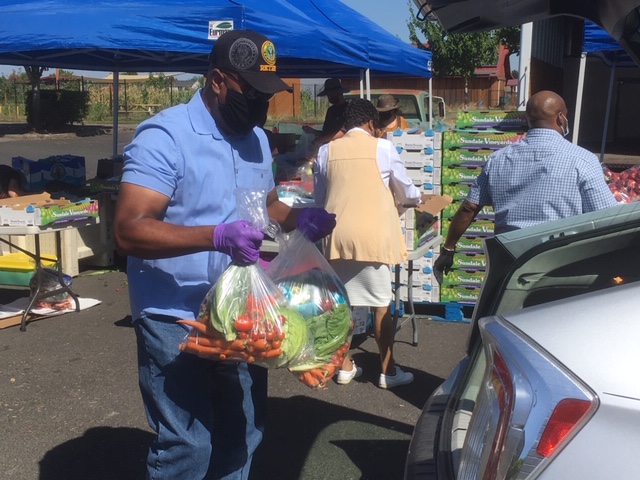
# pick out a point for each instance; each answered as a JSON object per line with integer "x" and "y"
{"x": 535, "y": 266}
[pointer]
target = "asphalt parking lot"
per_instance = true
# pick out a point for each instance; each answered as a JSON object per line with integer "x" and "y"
{"x": 70, "y": 406}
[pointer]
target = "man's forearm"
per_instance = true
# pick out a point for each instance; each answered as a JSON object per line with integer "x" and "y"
{"x": 459, "y": 223}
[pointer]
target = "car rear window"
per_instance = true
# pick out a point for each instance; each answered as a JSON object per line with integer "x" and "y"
{"x": 582, "y": 266}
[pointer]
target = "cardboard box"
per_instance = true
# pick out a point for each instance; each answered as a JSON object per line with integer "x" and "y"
{"x": 472, "y": 278}
{"x": 478, "y": 227}
{"x": 107, "y": 185}
{"x": 470, "y": 261}
{"x": 415, "y": 139}
{"x": 110, "y": 167}
{"x": 41, "y": 210}
{"x": 470, "y": 244}
{"x": 433, "y": 204}
{"x": 459, "y": 294}
{"x": 418, "y": 158}
{"x": 362, "y": 319}
{"x": 65, "y": 169}
{"x": 485, "y": 213}
{"x": 424, "y": 174}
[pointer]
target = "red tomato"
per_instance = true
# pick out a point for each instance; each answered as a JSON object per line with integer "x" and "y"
{"x": 243, "y": 324}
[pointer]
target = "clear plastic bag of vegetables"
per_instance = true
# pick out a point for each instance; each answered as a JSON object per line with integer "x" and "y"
{"x": 245, "y": 317}
{"x": 312, "y": 287}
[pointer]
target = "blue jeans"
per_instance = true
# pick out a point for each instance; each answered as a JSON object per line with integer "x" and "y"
{"x": 208, "y": 416}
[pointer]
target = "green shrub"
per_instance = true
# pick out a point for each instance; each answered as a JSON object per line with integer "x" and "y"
{"x": 58, "y": 108}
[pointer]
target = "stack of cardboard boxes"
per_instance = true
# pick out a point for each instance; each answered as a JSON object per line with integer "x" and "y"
{"x": 464, "y": 151}
{"x": 422, "y": 157}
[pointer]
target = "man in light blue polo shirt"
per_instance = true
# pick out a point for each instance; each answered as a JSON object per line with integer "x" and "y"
{"x": 539, "y": 179}
{"x": 177, "y": 220}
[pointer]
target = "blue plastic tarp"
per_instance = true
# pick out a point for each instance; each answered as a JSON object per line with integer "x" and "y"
{"x": 313, "y": 38}
{"x": 599, "y": 43}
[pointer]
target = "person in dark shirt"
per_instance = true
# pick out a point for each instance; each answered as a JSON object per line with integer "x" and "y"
{"x": 333, "y": 126}
{"x": 12, "y": 182}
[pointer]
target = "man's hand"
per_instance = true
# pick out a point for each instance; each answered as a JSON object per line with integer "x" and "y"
{"x": 443, "y": 264}
{"x": 239, "y": 240}
{"x": 315, "y": 223}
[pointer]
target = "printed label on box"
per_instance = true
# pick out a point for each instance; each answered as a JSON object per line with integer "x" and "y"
{"x": 471, "y": 140}
{"x": 462, "y": 156}
{"x": 460, "y": 174}
{"x": 501, "y": 120}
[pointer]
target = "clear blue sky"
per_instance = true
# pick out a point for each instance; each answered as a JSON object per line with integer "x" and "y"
{"x": 392, "y": 15}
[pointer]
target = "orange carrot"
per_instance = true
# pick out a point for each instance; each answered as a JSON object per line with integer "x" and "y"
{"x": 317, "y": 373}
{"x": 329, "y": 370}
{"x": 199, "y": 326}
{"x": 261, "y": 345}
{"x": 216, "y": 342}
{"x": 276, "y": 352}
{"x": 211, "y": 352}
{"x": 310, "y": 380}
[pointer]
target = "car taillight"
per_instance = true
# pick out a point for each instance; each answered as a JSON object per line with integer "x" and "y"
{"x": 567, "y": 414}
{"x": 527, "y": 408}
{"x": 502, "y": 387}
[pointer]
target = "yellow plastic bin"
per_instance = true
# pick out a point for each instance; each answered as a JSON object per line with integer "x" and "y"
{"x": 18, "y": 268}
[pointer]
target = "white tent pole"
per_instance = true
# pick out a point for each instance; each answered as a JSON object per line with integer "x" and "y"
{"x": 368, "y": 80}
{"x": 526, "y": 36}
{"x": 431, "y": 104}
{"x": 608, "y": 109}
{"x": 361, "y": 83}
{"x": 116, "y": 109}
{"x": 578, "y": 111}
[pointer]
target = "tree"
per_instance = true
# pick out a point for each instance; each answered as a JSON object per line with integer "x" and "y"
{"x": 510, "y": 38}
{"x": 455, "y": 54}
{"x": 459, "y": 54}
{"x": 35, "y": 74}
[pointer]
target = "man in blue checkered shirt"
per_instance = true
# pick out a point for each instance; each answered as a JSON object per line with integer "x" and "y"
{"x": 541, "y": 178}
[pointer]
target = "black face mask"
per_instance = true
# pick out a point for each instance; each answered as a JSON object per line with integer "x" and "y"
{"x": 240, "y": 114}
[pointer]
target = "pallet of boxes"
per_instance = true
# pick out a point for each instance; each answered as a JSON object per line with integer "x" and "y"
{"x": 421, "y": 153}
{"x": 465, "y": 149}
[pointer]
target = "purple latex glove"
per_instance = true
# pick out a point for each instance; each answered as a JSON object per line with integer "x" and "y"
{"x": 315, "y": 223}
{"x": 239, "y": 240}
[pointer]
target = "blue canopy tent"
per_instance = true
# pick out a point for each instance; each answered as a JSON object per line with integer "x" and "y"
{"x": 597, "y": 42}
{"x": 162, "y": 36}
{"x": 313, "y": 38}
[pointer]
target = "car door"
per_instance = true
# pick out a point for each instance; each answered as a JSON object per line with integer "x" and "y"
{"x": 530, "y": 272}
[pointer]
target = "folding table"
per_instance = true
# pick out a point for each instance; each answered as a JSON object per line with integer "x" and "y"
{"x": 36, "y": 231}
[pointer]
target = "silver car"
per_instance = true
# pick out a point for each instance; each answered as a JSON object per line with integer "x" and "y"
{"x": 549, "y": 387}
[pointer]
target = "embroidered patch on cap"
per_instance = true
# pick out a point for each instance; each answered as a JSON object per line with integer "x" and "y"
{"x": 243, "y": 54}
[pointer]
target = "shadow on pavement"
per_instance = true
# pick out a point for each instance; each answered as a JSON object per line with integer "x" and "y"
{"x": 124, "y": 322}
{"x": 300, "y": 426}
{"x": 102, "y": 453}
{"x": 77, "y": 130}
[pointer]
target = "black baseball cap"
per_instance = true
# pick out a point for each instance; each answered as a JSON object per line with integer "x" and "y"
{"x": 252, "y": 56}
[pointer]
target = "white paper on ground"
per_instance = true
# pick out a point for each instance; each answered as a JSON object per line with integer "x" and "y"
{"x": 18, "y": 306}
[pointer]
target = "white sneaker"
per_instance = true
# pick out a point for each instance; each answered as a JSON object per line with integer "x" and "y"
{"x": 345, "y": 376}
{"x": 400, "y": 378}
